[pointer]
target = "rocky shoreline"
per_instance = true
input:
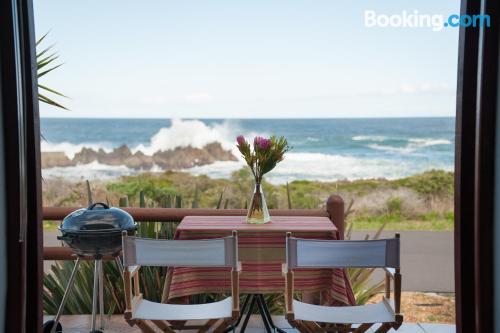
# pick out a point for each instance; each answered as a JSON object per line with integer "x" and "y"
{"x": 178, "y": 158}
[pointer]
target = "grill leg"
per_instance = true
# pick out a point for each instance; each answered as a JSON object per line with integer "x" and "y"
{"x": 66, "y": 294}
{"x": 94, "y": 293}
{"x": 101, "y": 293}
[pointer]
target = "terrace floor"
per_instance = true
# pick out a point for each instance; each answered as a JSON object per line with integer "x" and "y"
{"x": 116, "y": 324}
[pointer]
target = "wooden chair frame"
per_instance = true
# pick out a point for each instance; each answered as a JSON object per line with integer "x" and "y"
{"x": 313, "y": 327}
{"x": 133, "y": 296}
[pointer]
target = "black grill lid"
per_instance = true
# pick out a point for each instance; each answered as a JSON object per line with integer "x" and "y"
{"x": 98, "y": 217}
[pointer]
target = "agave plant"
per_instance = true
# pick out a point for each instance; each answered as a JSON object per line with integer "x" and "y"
{"x": 55, "y": 282}
{"x": 80, "y": 301}
{"x": 45, "y": 63}
{"x": 363, "y": 286}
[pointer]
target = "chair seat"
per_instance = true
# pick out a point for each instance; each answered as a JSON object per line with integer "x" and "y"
{"x": 370, "y": 313}
{"x": 158, "y": 311}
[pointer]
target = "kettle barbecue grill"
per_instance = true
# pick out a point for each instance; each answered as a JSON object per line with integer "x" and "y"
{"x": 95, "y": 231}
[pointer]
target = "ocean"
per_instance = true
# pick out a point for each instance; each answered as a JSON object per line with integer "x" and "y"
{"x": 323, "y": 149}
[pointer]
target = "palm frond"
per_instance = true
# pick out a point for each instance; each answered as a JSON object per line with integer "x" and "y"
{"x": 41, "y": 53}
{"x": 41, "y": 38}
{"x": 40, "y": 74}
{"x": 47, "y": 100}
{"x": 46, "y": 64}
{"x": 51, "y": 90}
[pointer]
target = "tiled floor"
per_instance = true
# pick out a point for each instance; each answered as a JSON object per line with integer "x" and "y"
{"x": 116, "y": 324}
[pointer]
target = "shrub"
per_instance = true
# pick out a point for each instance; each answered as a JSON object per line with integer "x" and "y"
{"x": 394, "y": 205}
{"x": 154, "y": 187}
{"x": 431, "y": 183}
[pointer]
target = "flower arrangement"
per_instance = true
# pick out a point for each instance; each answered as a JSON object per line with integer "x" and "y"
{"x": 264, "y": 156}
{"x": 261, "y": 157}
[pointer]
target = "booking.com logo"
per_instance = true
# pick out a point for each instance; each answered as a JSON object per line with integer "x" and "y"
{"x": 414, "y": 19}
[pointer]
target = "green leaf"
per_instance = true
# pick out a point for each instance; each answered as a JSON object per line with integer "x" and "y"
{"x": 50, "y": 90}
{"x": 43, "y": 61}
{"x": 41, "y": 38}
{"x": 49, "y": 101}
{"x": 40, "y": 74}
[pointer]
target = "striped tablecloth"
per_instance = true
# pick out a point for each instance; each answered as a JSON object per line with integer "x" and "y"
{"x": 262, "y": 252}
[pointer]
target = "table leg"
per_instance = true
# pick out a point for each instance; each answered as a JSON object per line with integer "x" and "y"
{"x": 246, "y": 311}
{"x": 263, "y": 313}
{"x": 249, "y": 313}
{"x": 243, "y": 309}
{"x": 267, "y": 314}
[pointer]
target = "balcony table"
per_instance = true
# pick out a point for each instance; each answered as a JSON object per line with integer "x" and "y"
{"x": 262, "y": 253}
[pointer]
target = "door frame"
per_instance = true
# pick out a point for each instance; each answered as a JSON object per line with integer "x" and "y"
{"x": 477, "y": 103}
{"x": 21, "y": 132}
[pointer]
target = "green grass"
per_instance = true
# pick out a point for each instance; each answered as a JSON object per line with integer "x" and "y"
{"x": 428, "y": 222}
{"x": 50, "y": 225}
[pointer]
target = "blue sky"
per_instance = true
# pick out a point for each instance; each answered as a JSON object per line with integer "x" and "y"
{"x": 247, "y": 59}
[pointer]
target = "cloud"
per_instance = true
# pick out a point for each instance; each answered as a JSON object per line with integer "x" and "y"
{"x": 398, "y": 90}
{"x": 202, "y": 97}
{"x": 154, "y": 100}
{"x": 425, "y": 88}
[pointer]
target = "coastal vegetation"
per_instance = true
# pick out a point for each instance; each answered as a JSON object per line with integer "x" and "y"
{"x": 420, "y": 202}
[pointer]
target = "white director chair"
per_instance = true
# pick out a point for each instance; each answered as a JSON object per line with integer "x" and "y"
{"x": 311, "y": 253}
{"x": 219, "y": 252}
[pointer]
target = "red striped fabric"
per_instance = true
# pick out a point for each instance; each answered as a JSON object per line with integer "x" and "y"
{"x": 262, "y": 252}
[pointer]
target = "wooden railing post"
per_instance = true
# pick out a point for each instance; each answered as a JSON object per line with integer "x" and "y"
{"x": 335, "y": 209}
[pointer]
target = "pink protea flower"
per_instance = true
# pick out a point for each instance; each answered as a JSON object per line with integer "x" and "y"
{"x": 264, "y": 144}
{"x": 263, "y": 155}
{"x": 240, "y": 139}
{"x": 258, "y": 140}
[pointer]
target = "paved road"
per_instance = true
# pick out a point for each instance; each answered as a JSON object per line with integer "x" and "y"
{"x": 426, "y": 259}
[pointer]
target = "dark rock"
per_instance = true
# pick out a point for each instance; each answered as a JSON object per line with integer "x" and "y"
{"x": 53, "y": 159}
{"x": 178, "y": 158}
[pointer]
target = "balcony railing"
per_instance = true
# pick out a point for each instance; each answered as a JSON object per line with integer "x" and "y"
{"x": 334, "y": 211}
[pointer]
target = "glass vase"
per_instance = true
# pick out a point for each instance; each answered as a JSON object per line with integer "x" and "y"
{"x": 257, "y": 211}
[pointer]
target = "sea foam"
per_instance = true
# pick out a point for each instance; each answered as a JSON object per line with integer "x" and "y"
{"x": 369, "y": 138}
{"x": 91, "y": 171}
{"x": 322, "y": 167}
{"x": 413, "y": 145}
{"x": 194, "y": 133}
{"x": 181, "y": 133}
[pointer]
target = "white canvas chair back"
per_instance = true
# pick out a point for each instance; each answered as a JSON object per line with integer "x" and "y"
{"x": 218, "y": 252}
{"x": 313, "y": 253}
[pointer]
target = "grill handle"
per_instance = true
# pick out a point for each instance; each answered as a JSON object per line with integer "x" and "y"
{"x": 67, "y": 239}
{"x": 98, "y": 203}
